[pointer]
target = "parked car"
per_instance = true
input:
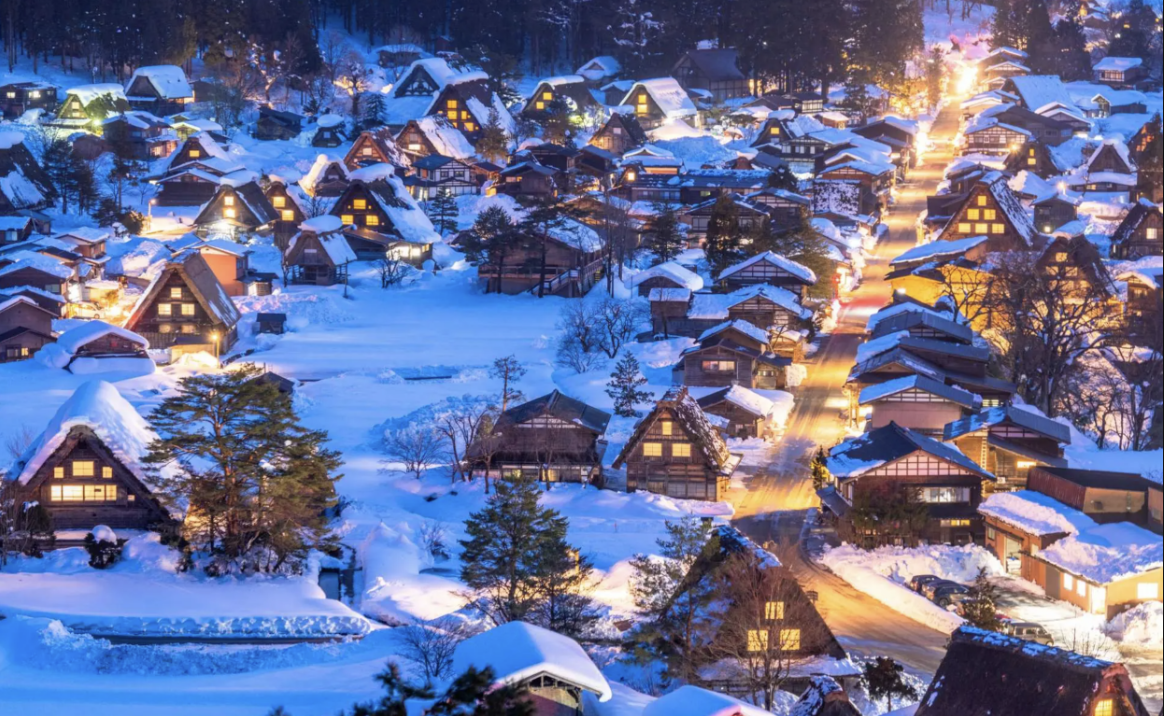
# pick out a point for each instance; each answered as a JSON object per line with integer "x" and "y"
{"x": 920, "y": 581}
{"x": 1028, "y": 631}
{"x": 930, "y": 588}
{"x": 950, "y": 595}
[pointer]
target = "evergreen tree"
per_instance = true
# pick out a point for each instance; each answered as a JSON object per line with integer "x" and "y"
{"x": 981, "y": 609}
{"x": 1150, "y": 163}
{"x": 514, "y": 551}
{"x": 885, "y": 679}
{"x": 804, "y": 245}
{"x": 820, "y": 471}
{"x": 442, "y": 209}
{"x": 493, "y": 239}
{"x": 723, "y": 235}
{"x": 1073, "y": 62}
{"x": 258, "y": 484}
{"x": 887, "y": 35}
{"x": 935, "y": 74}
{"x": 667, "y": 241}
{"x": 1134, "y": 38}
{"x": 494, "y": 142}
{"x": 625, "y": 387}
{"x": 558, "y": 128}
{"x": 474, "y": 693}
{"x": 374, "y": 106}
{"x": 57, "y": 162}
{"x": 783, "y": 178}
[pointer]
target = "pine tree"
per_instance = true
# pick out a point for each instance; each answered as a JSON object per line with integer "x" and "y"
{"x": 514, "y": 545}
{"x": 885, "y": 679}
{"x": 804, "y": 245}
{"x": 258, "y": 484}
{"x": 723, "y": 235}
{"x": 625, "y": 387}
{"x": 981, "y": 609}
{"x": 493, "y": 239}
{"x": 442, "y": 209}
{"x": 494, "y": 142}
{"x": 667, "y": 242}
{"x": 474, "y": 693}
{"x": 1073, "y": 61}
{"x": 57, "y": 162}
{"x": 935, "y": 74}
{"x": 1150, "y": 163}
{"x": 509, "y": 371}
{"x": 820, "y": 472}
{"x": 373, "y": 108}
{"x": 783, "y": 178}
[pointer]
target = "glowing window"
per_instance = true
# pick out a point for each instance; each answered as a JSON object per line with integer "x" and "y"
{"x": 757, "y": 641}
{"x": 1105, "y": 707}
{"x": 176, "y": 293}
{"x": 84, "y": 468}
{"x": 990, "y": 215}
{"x": 231, "y": 214}
{"x": 681, "y": 450}
{"x": 228, "y": 201}
{"x": 540, "y": 106}
{"x": 1152, "y": 234}
{"x": 107, "y": 473}
{"x": 452, "y": 104}
{"x": 998, "y": 228}
{"x": 360, "y": 204}
{"x": 288, "y": 215}
{"x": 366, "y": 151}
{"x": 279, "y": 202}
{"x": 974, "y": 214}
{"x": 667, "y": 427}
{"x": 790, "y": 640}
{"x": 195, "y": 153}
{"x": 470, "y": 127}
{"x": 347, "y": 219}
{"x": 188, "y": 309}
{"x": 981, "y": 228}
{"x": 165, "y": 309}
{"x": 982, "y": 201}
{"x": 1148, "y": 590}
{"x": 67, "y": 493}
{"x": 774, "y": 611}
{"x": 372, "y": 220}
{"x": 58, "y": 473}
{"x": 965, "y": 228}
{"x": 652, "y": 449}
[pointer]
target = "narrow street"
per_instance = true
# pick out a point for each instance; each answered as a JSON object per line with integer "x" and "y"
{"x": 777, "y": 500}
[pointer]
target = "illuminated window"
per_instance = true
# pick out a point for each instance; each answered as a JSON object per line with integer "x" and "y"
{"x": 165, "y": 328}
{"x": 228, "y": 201}
{"x": 288, "y": 215}
{"x": 652, "y": 449}
{"x": 84, "y": 468}
{"x": 189, "y": 328}
{"x": 998, "y": 228}
{"x": 372, "y": 220}
{"x": 83, "y": 493}
{"x": 790, "y": 640}
{"x": 466, "y": 115}
{"x": 1081, "y": 587}
{"x": 774, "y": 611}
{"x": 11, "y": 95}
{"x": 667, "y": 427}
{"x": 366, "y": 151}
{"x": 680, "y": 450}
{"x": 195, "y": 153}
{"x": 990, "y": 215}
{"x": 188, "y": 309}
{"x": 982, "y": 201}
{"x": 165, "y": 309}
{"x": 1061, "y": 258}
{"x": 470, "y": 127}
{"x": 757, "y": 641}
{"x": 974, "y": 214}
{"x": 981, "y": 228}
{"x": 1149, "y": 590}
{"x": 1105, "y": 707}
{"x": 414, "y": 146}
{"x": 775, "y": 131}
{"x": 67, "y": 493}
{"x": 1153, "y": 234}
{"x": 58, "y": 473}
{"x": 107, "y": 473}
{"x": 1032, "y": 162}
{"x": 548, "y": 96}
{"x": 347, "y": 219}
{"x": 360, "y": 204}
{"x": 176, "y": 293}
{"x": 452, "y": 104}
{"x": 965, "y": 228}
{"x": 279, "y": 202}
{"x": 231, "y": 214}
{"x": 540, "y": 106}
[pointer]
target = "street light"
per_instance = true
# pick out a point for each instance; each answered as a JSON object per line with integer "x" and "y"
{"x": 150, "y": 222}
{"x": 214, "y": 337}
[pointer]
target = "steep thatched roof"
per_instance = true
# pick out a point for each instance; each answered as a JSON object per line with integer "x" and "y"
{"x": 692, "y": 421}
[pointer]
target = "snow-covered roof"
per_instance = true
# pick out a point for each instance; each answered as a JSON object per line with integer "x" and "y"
{"x": 9, "y": 302}
{"x": 442, "y": 73}
{"x": 715, "y": 307}
{"x": 1117, "y": 64}
{"x": 1035, "y": 513}
{"x": 670, "y": 295}
{"x": 88, "y": 93}
{"x": 99, "y": 407}
{"x": 600, "y": 68}
{"x": 85, "y": 235}
{"x": 518, "y": 652}
{"x": 446, "y": 139}
{"x": 863, "y": 454}
{"x": 322, "y": 162}
{"x": 76, "y": 338}
{"x": 672, "y": 100}
{"x": 201, "y": 281}
{"x": 803, "y": 273}
{"x": 694, "y": 701}
{"x": 954, "y": 394}
{"x": 1039, "y": 92}
{"x": 1120, "y": 149}
{"x": 578, "y": 235}
{"x": 39, "y": 262}
{"x": 742, "y": 397}
{"x": 1107, "y": 553}
{"x": 749, "y": 330}
{"x": 327, "y": 230}
{"x": 1148, "y": 270}
{"x": 406, "y": 216}
{"x": 671, "y": 271}
{"x": 322, "y": 224}
{"x": 169, "y": 81}
{"x": 939, "y": 249}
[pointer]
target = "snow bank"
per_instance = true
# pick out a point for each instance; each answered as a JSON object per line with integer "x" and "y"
{"x": 1141, "y": 626}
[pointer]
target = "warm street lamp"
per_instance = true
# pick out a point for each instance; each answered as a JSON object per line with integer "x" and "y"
{"x": 214, "y": 337}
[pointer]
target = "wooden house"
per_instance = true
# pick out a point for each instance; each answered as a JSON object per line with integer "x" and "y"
{"x": 988, "y": 674}
{"x": 992, "y": 137}
{"x": 434, "y": 135}
{"x": 274, "y": 125}
{"x": 765, "y": 307}
{"x": 436, "y": 174}
{"x": 784, "y": 207}
{"x": 1034, "y": 157}
{"x": 86, "y": 348}
{"x": 86, "y": 106}
{"x": 992, "y": 209}
{"x": 530, "y": 180}
{"x": 551, "y": 439}
{"x": 319, "y": 254}
{"x": 468, "y": 105}
{"x": 660, "y": 101}
{"x": 1112, "y": 156}
{"x": 1009, "y": 442}
{"x": 230, "y": 264}
{"x": 570, "y": 94}
{"x": 768, "y": 269}
{"x": 620, "y": 134}
{"x": 1024, "y": 523}
{"x": 745, "y": 414}
{"x": 186, "y": 302}
{"x": 236, "y": 209}
{"x": 889, "y": 460}
{"x": 568, "y": 266}
{"x": 187, "y": 127}
{"x": 676, "y": 451}
{"x": 698, "y": 216}
{"x": 1145, "y": 303}
{"x": 552, "y": 671}
{"x": 139, "y": 135}
{"x": 29, "y": 187}
{"x": 271, "y": 323}
{"x": 374, "y": 147}
{"x": 737, "y": 353}
{"x": 160, "y": 89}
{"x": 399, "y": 55}
{"x": 899, "y": 134}
{"x": 716, "y": 72}
{"x": 1105, "y": 570}
{"x": 1140, "y": 234}
{"x": 15, "y": 229}
{"x": 327, "y": 179}
{"x": 1049, "y": 130}
{"x": 917, "y": 402}
{"x": 291, "y": 206}
{"x": 21, "y": 97}
{"x": 382, "y": 218}
{"x": 1074, "y": 266}
{"x": 1054, "y": 211}
{"x": 329, "y": 132}
{"x": 666, "y": 275}
{"x": 1120, "y": 72}
{"x": 600, "y": 70}
{"x": 37, "y": 271}
{"x": 195, "y": 171}
{"x": 1105, "y": 497}
{"x": 669, "y": 307}
{"x": 995, "y": 77}
{"x": 1000, "y": 55}
{"x": 25, "y": 327}
{"x": 86, "y": 467}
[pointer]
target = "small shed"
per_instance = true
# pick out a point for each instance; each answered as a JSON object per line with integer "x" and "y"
{"x": 271, "y": 323}
{"x": 320, "y": 253}
{"x": 330, "y": 132}
{"x": 274, "y": 125}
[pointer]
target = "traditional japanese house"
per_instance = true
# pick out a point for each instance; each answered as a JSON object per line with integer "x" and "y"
{"x": 698, "y": 217}
{"x": 186, "y": 303}
{"x": 621, "y": 133}
{"x": 765, "y": 307}
{"x": 14, "y": 229}
{"x": 35, "y": 270}
{"x": 1036, "y": 158}
{"x": 187, "y": 127}
{"x": 1074, "y": 266}
{"x": 569, "y": 265}
{"x": 399, "y": 55}
{"x": 784, "y": 207}
{"x": 660, "y": 101}
{"x": 1105, "y": 497}
{"x": 1140, "y": 234}
{"x": 230, "y": 263}
{"x": 329, "y": 132}
{"x": 570, "y": 94}
{"x": 86, "y": 242}
{"x": 86, "y": 106}
{"x": 194, "y": 173}
{"x": 139, "y": 135}
{"x": 1000, "y": 55}
{"x": 1105, "y": 570}
{"x": 327, "y": 179}
{"x": 716, "y": 72}
{"x": 86, "y": 467}
{"x": 382, "y": 218}
{"x": 319, "y": 254}
{"x": 666, "y": 275}
{"x": 1120, "y": 72}
{"x": 996, "y": 76}
{"x": 21, "y": 97}
{"x": 977, "y": 678}
{"x": 1050, "y": 130}
{"x": 292, "y": 206}
{"x": 1112, "y": 156}
{"x": 1009, "y": 442}
{"x": 374, "y": 147}
{"x": 768, "y": 269}
{"x": 876, "y": 178}
{"x": 669, "y": 308}
{"x": 161, "y": 89}
{"x": 551, "y": 670}
{"x": 274, "y": 125}
{"x": 530, "y": 180}
{"x": 1054, "y": 211}
{"x": 993, "y": 210}
{"x": 1022, "y": 524}
{"x": 600, "y": 70}
{"x": 95, "y": 346}
{"x": 469, "y": 106}
{"x": 25, "y": 327}
{"x": 676, "y": 451}
{"x": 28, "y": 187}
{"x": 991, "y": 137}
{"x": 917, "y": 402}
{"x": 554, "y": 438}
{"x": 434, "y": 135}
{"x": 436, "y": 174}
{"x": 893, "y": 462}
{"x": 238, "y": 207}
{"x": 1145, "y": 303}
{"x": 744, "y": 413}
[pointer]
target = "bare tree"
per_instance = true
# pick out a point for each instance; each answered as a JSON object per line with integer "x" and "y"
{"x": 18, "y": 442}
{"x": 617, "y": 322}
{"x": 435, "y": 540}
{"x": 416, "y": 446}
{"x": 460, "y": 425}
{"x": 432, "y": 645}
{"x": 392, "y": 271}
{"x": 579, "y": 347}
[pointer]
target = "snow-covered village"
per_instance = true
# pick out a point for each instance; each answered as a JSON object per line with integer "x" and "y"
{"x": 581, "y": 358}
